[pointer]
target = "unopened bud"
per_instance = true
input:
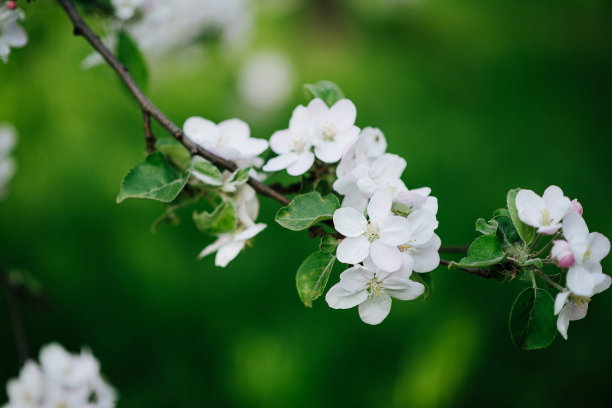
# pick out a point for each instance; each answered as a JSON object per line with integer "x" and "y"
{"x": 11, "y": 5}
{"x": 562, "y": 253}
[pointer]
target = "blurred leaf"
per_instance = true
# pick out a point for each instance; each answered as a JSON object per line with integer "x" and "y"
{"x": 526, "y": 232}
{"x": 222, "y": 219}
{"x": 312, "y": 276}
{"x": 155, "y": 179}
{"x": 506, "y": 231}
{"x": 328, "y": 244}
{"x": 130, "y": 56}
{"x": 176, "y": 152}
{"x": 426, "y": 280}
{"x": 237, "y": 179}
{"x": 205, "y": 171}
{"x": 168, "y": 217}
{"x": 483, "y": 252}
{"x": 532, "y": 321}
{"x": 306, "y": 210}
{"x": 326, "y": 90}
{"x": 485, "y": 227}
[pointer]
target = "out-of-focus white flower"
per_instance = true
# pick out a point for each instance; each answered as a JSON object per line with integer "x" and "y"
{"x": 125, "y": 9}
{"x": 63, "y": 380}
{"x": 266, "y": 80}
{"x": 11, "y": 33}
{"x": 229, "y": 245}
{"x": 229, "y": 139}
{"x": 544, "y": 213}
{"x": 8, "y": 139}
{"x": 372, "y": 289}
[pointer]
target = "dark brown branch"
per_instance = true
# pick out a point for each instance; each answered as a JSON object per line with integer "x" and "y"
{"x": 472, "y": 271}
{"x": 16, "y": 318}
{"x": 149, "y": 138}
{"x": 81, "y": 28}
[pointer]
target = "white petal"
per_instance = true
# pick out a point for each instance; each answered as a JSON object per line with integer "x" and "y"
{"x": 529, "y": 206}
{"x": 228, "y": 252}
{"x": 560, "y": 301}
{"x": 431, "y": 205}
{"x": 375, "y": 309}
{"x": 387, "y": 167}
{"x": 339, "y": 298}
{"x": 221, "y": 240}
{"x": 329, "y": 152}
{"x": 355, "y": 200}
{"x": 367, "y": 185}
{"x": 343, "y": 113}
{"x": 411, "y": 291}
{"x": 582, "y": 282}
{"x": 355, "y": 279}
{"x": 563, "y": 321}
{"x": 427, "y": 258}
{"x": 422, "y": 225}
{"x": 317, "y": 109}
{"x": 280, "y": 162}
{"x": 302, "y": 164}
{"x": 599, "y": 246}
{"x": 604, "y": 285}
{"x": 353, "y": 250}
{"x": 281, "y": 141}
{"x": 249, "y": 147}
{"x": 395, "y": 230}
{"x": 388, "y": 258}
{"x": 379, "y": 207}
{"x": 200, "y": 131}
{"x": 349, "y": 222}
{"x": 234, "y": 129}
{"x": 14, "y": 35}
{"x": 575, "y": 229}
{"x": 578, "y": 310}
{"x": 556, "y": 202}
{"x": 250, "y": 232}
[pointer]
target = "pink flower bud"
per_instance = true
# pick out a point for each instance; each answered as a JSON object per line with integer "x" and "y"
{"x": 562, "y": 253}
{"x": 576, "y": 206}
{"x": 11, "y": 5}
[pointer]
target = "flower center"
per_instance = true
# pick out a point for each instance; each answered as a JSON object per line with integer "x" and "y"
{"x": 329, "y": 131}
{"x": 580, "y": 300}
{"x": 408, "y": 248}
{"x": 372, "y": 231}
{"x": 587, "y": 255}
{"x": 545, "y": 216}
{"x": 375, "y": 288}
{"x": 299, "y": 145}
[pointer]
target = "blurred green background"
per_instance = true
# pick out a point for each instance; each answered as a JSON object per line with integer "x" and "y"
{"x": 479, "y": 96}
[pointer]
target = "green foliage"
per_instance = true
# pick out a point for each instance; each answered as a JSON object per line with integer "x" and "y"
{"x": 175, "y": 152}
{"x": 328, "y": 244}
{"x": 326, "y": 90}
{"x": 485, "y": 227}
{"x": 306, "y": 210}
{"x": 526, "y": 232}
{"x": 155, "y": 179}
{"x": 426, "y": 280}
{"x": 237, "y": 179}
{"x": 222, "y": 219}
{"x": 506, "y": 232}
{"x": 130, "y": 56}
{"x": 532, "y": 322}
{"x": 312, "y": 276}
{"x": 208, "y": 173}
{"x": 485, "y": 251}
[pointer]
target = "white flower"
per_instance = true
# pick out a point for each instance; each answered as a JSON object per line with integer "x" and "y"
{"x": 377, "y": 236}
{"x": 27, "y": 390}
{"x": 125, "y": 9}
{"x": 11, "y": 33}
{"x": 370, "y": 144}
{"x": 372, "y": 289}
{"x": 570, "y": 306}
{"x": 588, "y": 248}
{"x": 229, "y": 139}
{"x": 420, "y": 250}
{"x": 229, "y": 245}
{"x": 334, "y": 128}
{"x": 293, "y": 145}
{"x": 266, "y": 80}
{"x": 8, "y": 138}
{"x": 66, "y": 369}
{"x": 544, "y": 213}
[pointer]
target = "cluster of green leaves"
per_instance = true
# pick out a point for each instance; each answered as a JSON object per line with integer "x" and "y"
{"x": 506, "y": 249}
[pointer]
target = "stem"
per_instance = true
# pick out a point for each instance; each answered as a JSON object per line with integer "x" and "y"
{"x": 535, "y": 243}
{"x": 547, "y": 245}
{"x": 472, "y": 271}
{"x": 551, "y": 282}
{"x": 533, "y": 281}
{"x": 16, "y": 318}
{"x": 149, "y": 138}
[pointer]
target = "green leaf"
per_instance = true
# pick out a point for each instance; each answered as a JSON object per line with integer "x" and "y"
{"x": 532, "y": 322}
{"x": 401, "y": 209}
{"x": 130, "y": 56}
{"x": 237, "y": 179}
{"x": 485, "y": 227}
{"x": 155, "y": 179}
{"x": 501, "y": 211}
{"x": 526, "y": 232}
{"x": 222, "y": 219}
{"x": 176, "y": 152}
{"x": 206, "y": 172}
{"x": 506, "y": 231}
{"x": 312, "y": 276}
{"x": 326, "y": 90}
{"x": 306, "y": 210}
{"x": 328, "y": 244}
{"x": 485, "y": 251}
{"x": 426, "y": 280}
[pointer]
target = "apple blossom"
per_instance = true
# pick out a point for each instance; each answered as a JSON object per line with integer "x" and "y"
{"x": 377, "y": 236}
{"x": 576, "y": 206}
{"x": 371, "y": 289}
{"x": 370, "y": 144}
{"x": 293, "y": 145}
{"x": 11, "y": 33}
{"x": 229, "y": 245}
{"x": 561, "y": 252}
{"x": 334, "y": 128}
{"x": 229, "y": 139}
{"x": 544, "y": 213}
{"x": 423, "y": 244}
{"x": 588, "y": 248}
{"x": 125, "y": 9}
{"x": 570, "y": 306}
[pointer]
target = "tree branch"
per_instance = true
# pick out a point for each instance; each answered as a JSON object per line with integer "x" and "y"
{"x": 472, "y": 271}
{"x": 149, "y": 138}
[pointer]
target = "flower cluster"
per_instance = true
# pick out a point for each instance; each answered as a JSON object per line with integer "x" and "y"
{"x": 61, "y": 379}
{"x": 11, "y": 33}
{"x": 231, "y": 140}
{"x": 8, "y": 138}
{"x": 574, "y": 249}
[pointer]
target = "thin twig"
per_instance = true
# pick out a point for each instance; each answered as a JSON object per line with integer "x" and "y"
{"x": 16, "y": 318}
{"x": 149, "y": 138}
{"x": 472, "y": 271}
